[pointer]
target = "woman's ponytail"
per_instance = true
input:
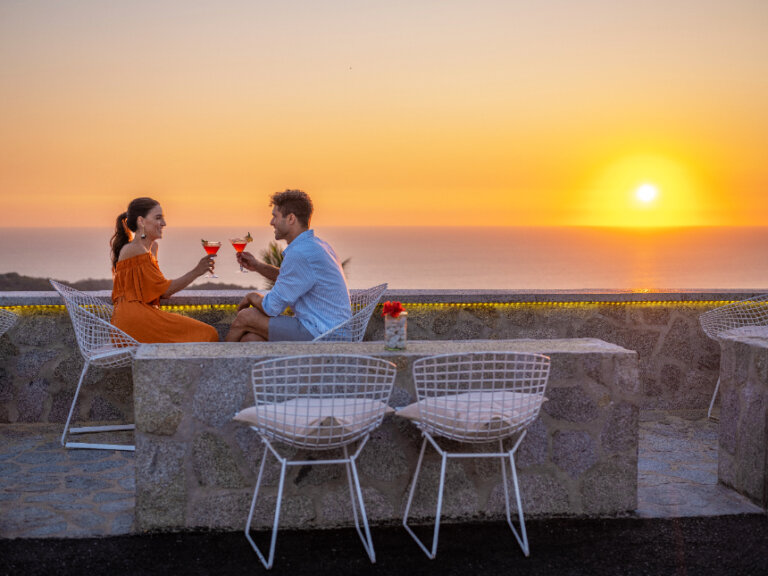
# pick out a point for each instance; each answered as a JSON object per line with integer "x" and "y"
{"x": 120, "y": 238}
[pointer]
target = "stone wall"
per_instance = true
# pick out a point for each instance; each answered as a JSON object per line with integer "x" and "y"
{"x": 743, "y": 429}
{"x": 196, "y": 467}
{"x": 40, "y": 362}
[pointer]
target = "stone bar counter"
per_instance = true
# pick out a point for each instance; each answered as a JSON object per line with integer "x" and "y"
{"x": 196, "y": 467}
{"x": 743, "y": 432}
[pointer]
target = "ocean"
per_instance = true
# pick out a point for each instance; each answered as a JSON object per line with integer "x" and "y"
{"x": 441, "y": 258}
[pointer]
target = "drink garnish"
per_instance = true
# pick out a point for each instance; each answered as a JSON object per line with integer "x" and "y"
{"x": 248, "y": 237}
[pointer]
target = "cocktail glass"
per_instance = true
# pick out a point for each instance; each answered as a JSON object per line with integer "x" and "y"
{"x": 211, "y": 248}
{"x": 239, "y": 245}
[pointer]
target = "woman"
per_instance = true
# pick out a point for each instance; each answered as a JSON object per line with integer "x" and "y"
{"x": 138, "y": 283}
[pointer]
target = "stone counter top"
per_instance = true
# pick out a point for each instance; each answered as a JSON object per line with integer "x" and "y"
{"x": 415, "y": 348}
{"x": 752, "y": 335}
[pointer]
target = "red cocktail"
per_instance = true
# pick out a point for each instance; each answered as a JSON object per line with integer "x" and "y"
{"x": 211, "y": 248}
{"x": 239, "y": 245}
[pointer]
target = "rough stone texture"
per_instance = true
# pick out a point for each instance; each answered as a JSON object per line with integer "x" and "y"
{"x": 460, "y": 498}
{"x": 571, "y": 404}
{"x": 743, "y": 434}
{"x": 161, "y": 484}
{"x": 336, "y": 507}
{"x": 102, "y": 410}
{"x": 679, "y": 364}
{"x": 214, "y": 463}
{"x": 605, "y": 488}
{"x": 226, "y": 511}
{"x": 197, "y": 472}
{"x": 533, "y": 448}
{"x": 163, "y": 409}
{"x": 211, "y": 403}
{"x": 29, "y": 364}
{"x": 30, "y": 400}
{"x": 539, "y": 492}
{"x": 573, "y": 452}
{"x": 47, "y": 491}
{"x": 617, "y": 434}
{"x": 382, "y": 459}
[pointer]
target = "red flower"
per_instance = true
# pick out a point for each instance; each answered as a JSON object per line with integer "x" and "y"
{"x": 392, "y": 309}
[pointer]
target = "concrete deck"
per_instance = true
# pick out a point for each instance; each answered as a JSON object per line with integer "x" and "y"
{"x": 46, "y": 491}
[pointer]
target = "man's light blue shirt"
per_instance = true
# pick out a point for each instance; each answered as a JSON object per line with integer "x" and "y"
{"x": 312, "y": 283}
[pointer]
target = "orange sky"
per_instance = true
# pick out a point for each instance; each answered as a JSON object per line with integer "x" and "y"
{"x": 420, "y": 113}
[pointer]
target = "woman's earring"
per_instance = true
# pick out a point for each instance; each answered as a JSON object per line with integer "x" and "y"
{"x": 143, "y": 235}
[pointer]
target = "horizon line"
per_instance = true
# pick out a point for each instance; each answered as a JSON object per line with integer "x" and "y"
{"x": 368, "y": 226}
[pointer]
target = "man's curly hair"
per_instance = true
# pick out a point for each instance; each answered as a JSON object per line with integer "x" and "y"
{"x": 296, "y": 202}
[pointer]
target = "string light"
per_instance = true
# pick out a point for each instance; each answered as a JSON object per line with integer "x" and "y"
{"x": 425, "y": 305}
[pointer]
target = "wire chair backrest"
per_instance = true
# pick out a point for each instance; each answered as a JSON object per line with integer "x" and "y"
{"x": 321, "y": 401}
{"x": 7, "y": 320}
{"x": 363, "y": 304}
{"x": 479, "y": 396}
{"x": 97, "y": 338}
{"x": 750, "y": 312}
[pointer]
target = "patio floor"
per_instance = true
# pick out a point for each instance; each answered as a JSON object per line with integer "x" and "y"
{"x": 53, "y": 493}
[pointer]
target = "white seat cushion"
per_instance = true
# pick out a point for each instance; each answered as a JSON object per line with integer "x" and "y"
{"x": 316, "y": 421}
{"x": 475, "y": 415}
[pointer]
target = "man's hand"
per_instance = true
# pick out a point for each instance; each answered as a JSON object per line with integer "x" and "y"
{"x": 247, "y": 260}
{"x": 251, "y": 299}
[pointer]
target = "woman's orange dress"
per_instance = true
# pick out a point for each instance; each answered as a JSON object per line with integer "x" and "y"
{"x": 136, "y": 290}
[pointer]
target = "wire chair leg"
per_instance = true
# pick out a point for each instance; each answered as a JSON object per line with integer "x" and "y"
{"x": 503, "y": 460}
{"x": 90, "y": 429}
{"x": 439, "y": 505}
{"x": 356, "y": 492}
{"x": 273, "y": 539}
{"x": 714, "y": 395}
{"x": 74, "y": 403}
{"x": 433, "y": 552}
{"x": 521, "y": 538}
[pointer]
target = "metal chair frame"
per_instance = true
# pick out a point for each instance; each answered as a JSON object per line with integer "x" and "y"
{"x": 750, "y": 312}
{"x": 363, "y": 303}
{"x": 460, "y": 380}
{"x": 7, "y": 320}
{"x": 352, "y": 388}
{"x": 102, "y": 345}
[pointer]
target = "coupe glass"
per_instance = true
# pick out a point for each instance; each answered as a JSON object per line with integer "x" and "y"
{"x": 239, "y": 245}
{"x": 211, "y": 248}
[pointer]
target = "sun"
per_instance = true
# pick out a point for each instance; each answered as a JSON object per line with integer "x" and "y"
{"x": 646, "y": 193}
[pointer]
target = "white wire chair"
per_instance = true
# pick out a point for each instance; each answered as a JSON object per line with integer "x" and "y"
{"x": 7, "y": 320}
{"x": 102, "y": 345}
{"x": 476, "y": 398}
{"x": 750, "y": 312}
{"x": 353, "y": 330}
{"x": 318, "y": 403}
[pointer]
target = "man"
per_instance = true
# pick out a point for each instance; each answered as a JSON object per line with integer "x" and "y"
{"x": 310, "y": 281}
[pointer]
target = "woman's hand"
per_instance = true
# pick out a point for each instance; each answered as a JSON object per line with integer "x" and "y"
{"x": 207, "y": 264}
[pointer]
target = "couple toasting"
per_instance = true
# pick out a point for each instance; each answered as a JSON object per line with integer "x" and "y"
{"x": 310, "y": 281}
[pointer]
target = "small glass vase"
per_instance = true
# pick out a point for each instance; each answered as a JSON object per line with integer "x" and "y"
{"x": 395, "y": 330}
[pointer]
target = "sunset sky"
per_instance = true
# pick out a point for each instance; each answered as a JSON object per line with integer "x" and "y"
{"x": 404, "y": 112}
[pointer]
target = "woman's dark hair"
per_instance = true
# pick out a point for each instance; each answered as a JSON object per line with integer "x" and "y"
{"x": 127, "y": 221}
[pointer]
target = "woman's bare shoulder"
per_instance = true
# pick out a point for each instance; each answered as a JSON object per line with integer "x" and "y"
{"x": 131, "y": 250}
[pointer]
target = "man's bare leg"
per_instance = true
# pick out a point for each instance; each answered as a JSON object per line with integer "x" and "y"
{"x": 251, "y": 337}
{"x": 250, "y": 325}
